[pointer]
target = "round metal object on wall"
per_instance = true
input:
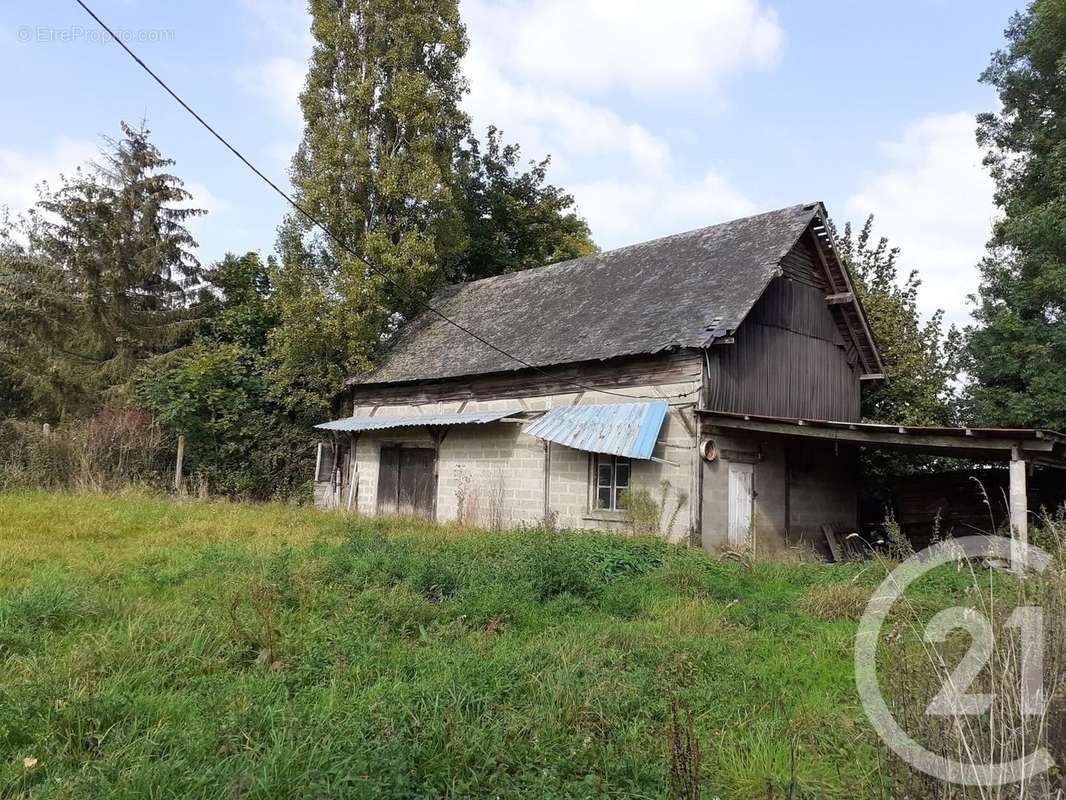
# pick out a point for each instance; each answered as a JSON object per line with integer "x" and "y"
{"x": 709, "y": 450}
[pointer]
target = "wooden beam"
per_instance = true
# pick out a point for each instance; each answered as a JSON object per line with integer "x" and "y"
{"x": 872, "y": 376}
{"x": 840, "y": 297}
{"x": 889, "y": 437}
{"x": 848, "y": 288}
{"x": 179, "y": 462}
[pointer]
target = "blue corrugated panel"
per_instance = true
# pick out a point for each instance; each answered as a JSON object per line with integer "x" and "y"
{"x": 623, "y": 429}
{"x": 416, "y": 421}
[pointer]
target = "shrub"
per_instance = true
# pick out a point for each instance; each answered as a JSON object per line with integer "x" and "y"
{"x": 109, "y": 451}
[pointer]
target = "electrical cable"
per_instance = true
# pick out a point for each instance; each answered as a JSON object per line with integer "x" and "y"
{"x": 334, "y": 237}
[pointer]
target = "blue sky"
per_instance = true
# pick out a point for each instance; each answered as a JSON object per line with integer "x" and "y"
{"x": 659, "y": 117}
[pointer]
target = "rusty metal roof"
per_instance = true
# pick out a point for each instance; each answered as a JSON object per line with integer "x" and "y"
{"x": 416, "y": 420}
{"x": 622, "y": 429}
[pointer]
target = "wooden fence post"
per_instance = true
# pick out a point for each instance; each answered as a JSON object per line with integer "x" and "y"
{"x": 178, "y": 463}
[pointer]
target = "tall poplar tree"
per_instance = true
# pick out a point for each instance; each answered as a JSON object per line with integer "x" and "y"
{"x": 1016, "y": 354}
{"x": 389, "y": 165}
{"x": 382, "y": 125}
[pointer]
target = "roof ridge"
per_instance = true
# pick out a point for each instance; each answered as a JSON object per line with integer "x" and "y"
{"x": 503, "y": 277}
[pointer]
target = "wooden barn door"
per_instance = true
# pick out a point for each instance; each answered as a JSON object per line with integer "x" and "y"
{"x": 741, "y": 505}
{"x": 407, "y": 482}
{"x": 389, "y": 480}
{"x": 418, "y": 486}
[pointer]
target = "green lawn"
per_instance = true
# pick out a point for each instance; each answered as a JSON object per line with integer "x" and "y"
{"x": 151, "y": 648}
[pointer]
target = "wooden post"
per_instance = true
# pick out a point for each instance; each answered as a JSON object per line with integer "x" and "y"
{"x": 47, "y": 431}
{"x": 178, "y": 463}
{"x": 353, "y": 470}
{"x": 1019, "y": 509}
{"x": 547, "y": 482}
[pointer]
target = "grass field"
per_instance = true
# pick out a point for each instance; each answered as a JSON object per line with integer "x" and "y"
{"x": 150, "y": 648}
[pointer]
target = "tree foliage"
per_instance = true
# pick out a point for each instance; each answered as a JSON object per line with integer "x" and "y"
{"x": 1016, "y": 353}
{"x": 96, "y": 278}
{"x": 919, "y": 357}
{"x": 241, "y": 440}
{"x": 389, "y": 165}
{"x": 514, "y": 220}
{"x": 102, "y": 300}
{"x": 382, "y": 125}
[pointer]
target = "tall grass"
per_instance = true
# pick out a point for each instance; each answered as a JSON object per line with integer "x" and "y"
{"x": 916, "y": 670}
{"x": 111, "y": 451}
{"x": 170, "y": 649}
{"x": 153, "y": 648}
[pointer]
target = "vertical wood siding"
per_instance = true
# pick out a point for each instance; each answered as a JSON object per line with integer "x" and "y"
{"x": 802, "y": 265}
{"x": 789, "y": 360}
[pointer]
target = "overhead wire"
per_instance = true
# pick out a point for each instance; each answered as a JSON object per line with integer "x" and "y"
{"x": 420, "y": 301}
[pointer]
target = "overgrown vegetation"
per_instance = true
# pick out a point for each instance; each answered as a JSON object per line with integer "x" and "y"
{"x": 108, "y": 452}
{"x": 209, "y": 649}
{"x": 104, "y": 305}
{"x": 1016, "y": 353}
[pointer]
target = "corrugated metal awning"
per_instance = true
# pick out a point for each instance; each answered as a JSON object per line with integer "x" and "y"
{"x": 622, "y": 429}
{"x": 416, "y": 420}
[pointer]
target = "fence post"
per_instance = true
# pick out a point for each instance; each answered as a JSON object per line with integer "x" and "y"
{"x": 178, "y": 463}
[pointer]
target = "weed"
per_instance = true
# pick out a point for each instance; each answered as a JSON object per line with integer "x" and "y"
{"x": 836, "y": 601}
{"x": 262, "y": 637}
{"x": 685, "y": 755}
{"x": 417, "y": 661}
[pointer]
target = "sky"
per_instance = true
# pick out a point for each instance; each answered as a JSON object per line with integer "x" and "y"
{"x": 659, "y": 117}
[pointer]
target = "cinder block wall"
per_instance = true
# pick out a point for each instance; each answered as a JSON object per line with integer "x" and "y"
{"x": 822, "y": 489}
{"x": 494, "y": 474}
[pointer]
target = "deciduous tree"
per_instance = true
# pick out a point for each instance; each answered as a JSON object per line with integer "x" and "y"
{"x": 919, "y": 356}
{"x": 1016, "y": 353}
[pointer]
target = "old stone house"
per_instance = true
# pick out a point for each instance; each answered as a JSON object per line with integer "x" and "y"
{"x": 719, "y": 371}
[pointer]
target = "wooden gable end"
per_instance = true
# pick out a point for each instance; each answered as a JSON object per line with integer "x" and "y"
{"x": 788, "y": 359}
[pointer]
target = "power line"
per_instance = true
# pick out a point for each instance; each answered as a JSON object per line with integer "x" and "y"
{"x": 325, "y": 229}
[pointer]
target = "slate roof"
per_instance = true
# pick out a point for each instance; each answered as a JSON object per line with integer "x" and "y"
{"x": 644, "y": 298}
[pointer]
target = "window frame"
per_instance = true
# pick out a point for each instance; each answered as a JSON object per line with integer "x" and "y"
{"x": 614, "y": 488}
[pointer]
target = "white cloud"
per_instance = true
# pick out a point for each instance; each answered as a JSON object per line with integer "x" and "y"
{"x": 648, "y": 49}
{"x": 279, "y": 22}
{"x": 284, "y": 26}
{"x": 542, "y": 71}
{"x": 546, "y": 120}
{"x": 626, "y": 211}
{"x": 535, "y": 70}
{"x": 933, "y": 199}
{"x": 20, "y": 173}
{"x": 279, "y": 82}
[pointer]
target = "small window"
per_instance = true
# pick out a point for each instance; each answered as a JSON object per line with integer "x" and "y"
{"x": 611, "y": 474}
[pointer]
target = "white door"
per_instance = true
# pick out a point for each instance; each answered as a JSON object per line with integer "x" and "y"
{"x": 741, "y": 506}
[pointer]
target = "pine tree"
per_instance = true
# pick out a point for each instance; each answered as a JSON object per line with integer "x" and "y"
{"x": 105, "y": 273}
{"x": 1016, "y": 353}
